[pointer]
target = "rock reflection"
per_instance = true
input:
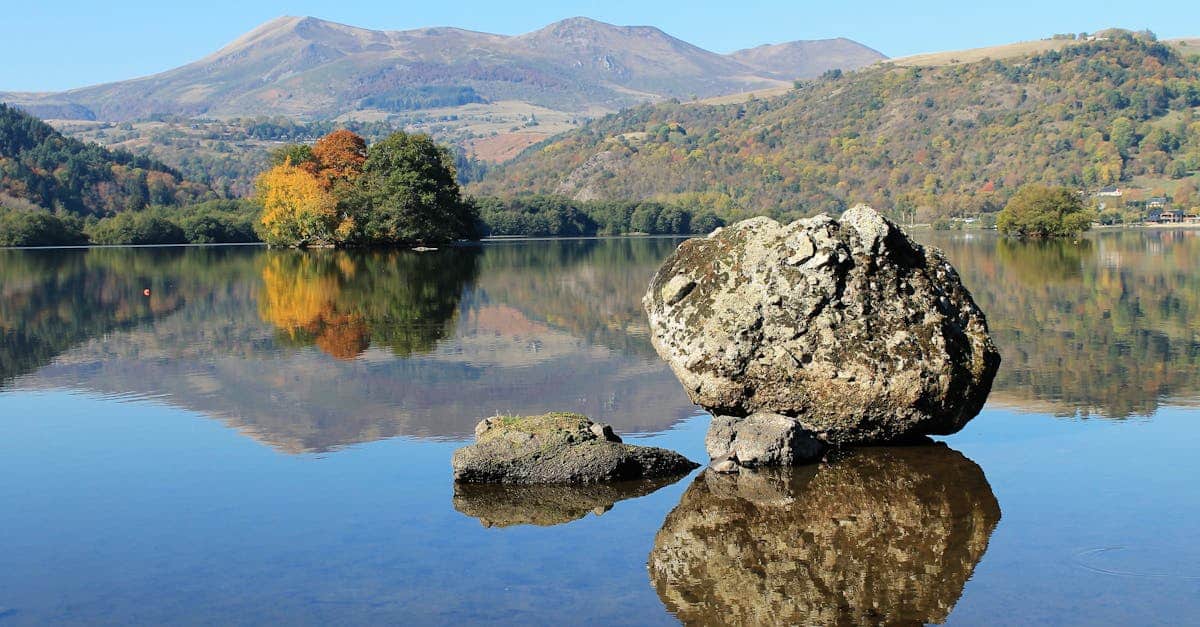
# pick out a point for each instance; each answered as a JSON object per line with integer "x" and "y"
{"x": 546, "y": 505}
{"x": 883, "y": 536}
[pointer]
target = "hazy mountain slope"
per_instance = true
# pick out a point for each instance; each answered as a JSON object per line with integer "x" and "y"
{"x": 311, "y": 68}
{"x": 806, "y": 59}
{"x": 946, "y": 139}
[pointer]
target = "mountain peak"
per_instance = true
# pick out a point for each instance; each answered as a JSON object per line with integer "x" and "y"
{"x": 797, "y": 59}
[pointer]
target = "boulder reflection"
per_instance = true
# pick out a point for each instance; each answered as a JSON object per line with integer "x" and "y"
{"x": 884, "y": 536}
{"x": 546, "y": 505}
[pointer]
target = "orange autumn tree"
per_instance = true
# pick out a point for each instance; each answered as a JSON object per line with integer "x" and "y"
{"x": 402, "y": 190}
{"x": 300, "y": 198}
{"x": 340, "y": 156}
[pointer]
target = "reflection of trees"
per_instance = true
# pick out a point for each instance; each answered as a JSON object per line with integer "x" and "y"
{"x": 343, "y": 302}
{"x": 1043, "y": 260}
{"x": 1110, "y": 325}
{"x": 889, "y": 536}
{"x": 51, "y": 301}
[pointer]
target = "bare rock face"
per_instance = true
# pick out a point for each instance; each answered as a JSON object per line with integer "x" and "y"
{"x": 848, "y": 327}
{"x": 558, "y": 448}
{"x": 888, "y": 536}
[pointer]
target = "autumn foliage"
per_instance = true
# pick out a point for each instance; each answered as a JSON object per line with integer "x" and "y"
{"x": 339, "y": 192}
{"x": 344, "y": 302}
{"x": 297, "y": 209}
{"x": 339, "y": 156}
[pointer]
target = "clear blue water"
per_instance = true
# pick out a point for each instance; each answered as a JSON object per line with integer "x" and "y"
{"x": 268, "y": 441}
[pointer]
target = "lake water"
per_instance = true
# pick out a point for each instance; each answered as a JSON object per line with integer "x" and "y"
{"x": 264, "y": 437}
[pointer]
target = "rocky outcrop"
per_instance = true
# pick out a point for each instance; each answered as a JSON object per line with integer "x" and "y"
{"x": 558, "y": 448}
{"x": 847, "y": 327}
{"x": 885, "y": 536}
{"x": 507, "y": 505}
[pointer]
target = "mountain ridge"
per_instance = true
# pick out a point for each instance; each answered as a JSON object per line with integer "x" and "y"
{"x": 949, "y": 139}
{"x": 312, "y": 68}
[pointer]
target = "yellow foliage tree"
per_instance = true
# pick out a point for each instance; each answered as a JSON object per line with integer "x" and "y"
{"x": 298, "y": 211}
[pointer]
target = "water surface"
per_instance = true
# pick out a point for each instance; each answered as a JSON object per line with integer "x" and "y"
{"x": 266, "y": 435}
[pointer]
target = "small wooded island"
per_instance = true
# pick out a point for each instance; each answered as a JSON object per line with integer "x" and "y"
{"x": 341, "y": 193}
{"x": 1041, "y": 211}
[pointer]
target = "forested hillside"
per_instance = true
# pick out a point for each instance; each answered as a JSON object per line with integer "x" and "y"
{"x": 39, "y": 166}
{"x": 932, "y": 140}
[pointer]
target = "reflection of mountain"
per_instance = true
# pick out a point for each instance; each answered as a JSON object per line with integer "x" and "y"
{"x": 1109, "y": 326}
{"x": 889, "y": 536}
{"x": 312, "y": 351}
{"x": 506, "y": 505}
{"x": 591, "y": 288}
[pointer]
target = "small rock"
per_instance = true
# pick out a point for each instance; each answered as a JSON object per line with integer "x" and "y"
{"x": 763, "y": 439}
{"x": 558, "y": 448}
{"x": 726, "y": 464}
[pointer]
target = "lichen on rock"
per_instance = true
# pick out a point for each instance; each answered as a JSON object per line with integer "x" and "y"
{"x": 847, "y": 327}
{"x": 558, "y": 448}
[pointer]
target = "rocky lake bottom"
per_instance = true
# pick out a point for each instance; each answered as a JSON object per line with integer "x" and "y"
{"x": 267, "y": 436}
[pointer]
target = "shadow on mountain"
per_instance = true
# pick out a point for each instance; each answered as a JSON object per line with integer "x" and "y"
{"x": 547, "y": 505}
{"x": 882, "y": 536}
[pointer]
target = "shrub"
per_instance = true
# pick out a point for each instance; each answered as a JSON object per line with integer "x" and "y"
{"x": 38, "y": 227}
{"x": 136, "y": 227}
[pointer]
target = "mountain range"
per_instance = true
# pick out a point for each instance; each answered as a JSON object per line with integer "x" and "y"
{"x": 309, "y": 68}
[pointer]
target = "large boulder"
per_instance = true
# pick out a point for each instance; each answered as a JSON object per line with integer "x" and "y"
{"x": 558, "y": 448}
{"x": 848, "y": 327}
{"x": 888, "y": 536}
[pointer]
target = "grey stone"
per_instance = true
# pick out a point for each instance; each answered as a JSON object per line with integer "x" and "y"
{"x": 763, "y": 439}
{"x": 558, "y": 448}
{"x": 848, "y": 327}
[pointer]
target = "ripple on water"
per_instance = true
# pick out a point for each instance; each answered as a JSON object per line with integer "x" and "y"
{"x": 1163, "y": 562}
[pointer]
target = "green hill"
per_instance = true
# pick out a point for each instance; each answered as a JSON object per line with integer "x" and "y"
{"x": 42, "y": 167}
{"x": 922, "y": 140}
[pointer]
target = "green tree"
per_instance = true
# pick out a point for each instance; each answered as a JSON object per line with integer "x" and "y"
{"x": 1040, "y": 211}
{"x": 408, "y": 194}
{"x": 299, "y": 155}
{"x": 136, "y": 227}
{"x": 38, "y": 228}
{"x": 1123, "y": 133}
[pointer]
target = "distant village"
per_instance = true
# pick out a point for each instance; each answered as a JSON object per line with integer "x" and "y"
{"x": 1132, "y": 203}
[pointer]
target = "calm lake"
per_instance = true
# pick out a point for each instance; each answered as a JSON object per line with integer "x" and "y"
{"x": 265, "y": 436}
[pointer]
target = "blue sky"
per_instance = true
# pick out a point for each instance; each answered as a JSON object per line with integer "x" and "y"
{"x": 51, "y": 45}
